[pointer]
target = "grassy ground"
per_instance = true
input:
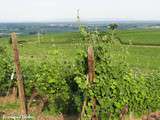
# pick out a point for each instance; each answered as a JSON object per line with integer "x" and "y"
{"x": 144, "y": 57}
{"x": 140, "y": 37}
{"x": 144, "y": 49}
{"x": 32, "y": 47}
{"x": 12, "y": 106}
{"x": 143, "y": 53}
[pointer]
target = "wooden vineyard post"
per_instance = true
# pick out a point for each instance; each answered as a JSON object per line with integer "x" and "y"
{"x": 23, "y": 109}
{"x": 91, "y": 67}
{"x": 91, "y": 78}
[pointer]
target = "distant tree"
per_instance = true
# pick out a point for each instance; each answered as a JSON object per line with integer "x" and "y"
{"x": 113, "y": 26}
{"x": 33, "y": 33}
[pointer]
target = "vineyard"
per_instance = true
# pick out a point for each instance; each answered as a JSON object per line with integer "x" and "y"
{"x": 94, "y": 75}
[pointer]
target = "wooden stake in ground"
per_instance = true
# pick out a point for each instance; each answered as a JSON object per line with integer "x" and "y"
{"x": 21, "y": 92}
{"x": 91, "y": 78}
{"x": 91, "y": 67}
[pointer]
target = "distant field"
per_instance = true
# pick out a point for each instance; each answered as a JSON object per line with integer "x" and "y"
{"x": 45, "y": 46}
{"x": 144, "y": 52}
{"x": 144, "y": 57}
{"x": 140, "y": 37}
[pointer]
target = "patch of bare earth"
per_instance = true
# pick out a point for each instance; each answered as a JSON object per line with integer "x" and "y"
{"x": 152, "y": 116}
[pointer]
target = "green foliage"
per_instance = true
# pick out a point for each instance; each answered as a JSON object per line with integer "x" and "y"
{"x": 6, "y": 69}
{"x": 94, "y": 37}
{"x": 153, "y": 91}
{"x": 54, "y": 79}
{"x": 64, "y": 81}
{"x": 47, "y": 78}
{"x": 116, "y": 85}
{"x": 112, "y": 26}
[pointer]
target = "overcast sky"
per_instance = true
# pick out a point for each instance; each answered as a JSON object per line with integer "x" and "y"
{"x": 60, "y": 10}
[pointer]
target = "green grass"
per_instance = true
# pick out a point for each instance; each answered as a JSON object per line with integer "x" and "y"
{"x": 56, "y": 38}
{"x": 9, "y": 106}
{"x": 140, "y": 37}
{"x": 31, "y": 48}
{"x": 142, "y": 55}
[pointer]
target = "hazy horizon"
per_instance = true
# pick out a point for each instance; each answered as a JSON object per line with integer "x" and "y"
{"x": 62, "y": 10}
{"x": 86, "y": 21}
